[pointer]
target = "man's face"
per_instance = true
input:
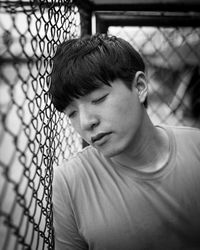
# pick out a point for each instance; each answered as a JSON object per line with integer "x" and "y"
{"x": 108, "y": 118}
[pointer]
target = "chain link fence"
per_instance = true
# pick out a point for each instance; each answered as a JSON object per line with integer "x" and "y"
{"x": 33, "y": 135}
{"x": 172, "y": 57}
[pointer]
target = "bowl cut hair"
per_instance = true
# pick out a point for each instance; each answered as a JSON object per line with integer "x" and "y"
{"x": 82, "y": 65}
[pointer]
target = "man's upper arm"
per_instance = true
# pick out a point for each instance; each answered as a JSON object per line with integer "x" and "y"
{"x": 65, "y": 227}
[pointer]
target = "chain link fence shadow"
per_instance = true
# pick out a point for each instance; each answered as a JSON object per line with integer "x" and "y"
{"x": 172, "y": 58}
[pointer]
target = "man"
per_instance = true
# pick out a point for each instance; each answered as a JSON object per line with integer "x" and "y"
{"x": 137, "y": 185}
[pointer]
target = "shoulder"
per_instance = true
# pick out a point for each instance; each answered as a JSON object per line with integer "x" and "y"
{"x": 186, "y": 138}
{"x": 77, "y": 167}
{"x": 182, "y": 131}
{"x": 185, "y": 133}
{"x": 84, "y": 160}
{"x": 185, "y": 130}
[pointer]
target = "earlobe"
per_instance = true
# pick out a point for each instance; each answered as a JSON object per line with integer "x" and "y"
{"x": 141, "y": 86}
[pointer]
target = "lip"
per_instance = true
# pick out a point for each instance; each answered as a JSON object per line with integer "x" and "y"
{"x": 100, "y": 138}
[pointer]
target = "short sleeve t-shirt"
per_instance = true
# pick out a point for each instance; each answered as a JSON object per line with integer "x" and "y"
{"x": 99, "y": 204}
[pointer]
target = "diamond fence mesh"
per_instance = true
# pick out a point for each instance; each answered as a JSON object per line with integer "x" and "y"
{"x": 172, "y": 57}
{"x": 33, "y": 135}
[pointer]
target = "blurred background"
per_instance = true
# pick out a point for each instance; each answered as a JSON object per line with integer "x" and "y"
{"x": 34, "y": 137}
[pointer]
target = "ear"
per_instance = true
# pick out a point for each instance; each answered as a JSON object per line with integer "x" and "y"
{"x": 140, "y": 83}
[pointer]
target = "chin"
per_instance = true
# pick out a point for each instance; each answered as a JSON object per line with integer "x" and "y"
{"x": 111, "y": 151}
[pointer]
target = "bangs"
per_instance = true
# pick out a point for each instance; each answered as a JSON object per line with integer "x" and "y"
{"x": 81, "y": 85}
{"x": 84, "y": 76}
{"x": 81, "y": 67}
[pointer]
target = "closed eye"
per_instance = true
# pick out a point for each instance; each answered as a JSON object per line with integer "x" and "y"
{"x": 99, "y": 100}
{"x": 72, "y": 114}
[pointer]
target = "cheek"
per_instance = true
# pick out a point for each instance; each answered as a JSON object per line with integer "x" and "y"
{"x": 126, "y": 116}
{"x": 125, "y": 110}
{"x": 76, "y": 126}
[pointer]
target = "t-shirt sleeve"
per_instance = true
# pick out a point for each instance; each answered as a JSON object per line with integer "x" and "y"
{"x": 65, "y": 227}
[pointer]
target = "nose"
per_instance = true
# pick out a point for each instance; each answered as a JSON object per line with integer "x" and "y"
{"x": 88, "y": 118}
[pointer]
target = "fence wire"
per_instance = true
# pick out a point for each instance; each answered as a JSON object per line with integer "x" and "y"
{"x": 172, "y": 57}
{"x": 33, "y": 135}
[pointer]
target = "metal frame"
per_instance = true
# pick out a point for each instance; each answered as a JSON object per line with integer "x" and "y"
{"x": 104, "y": 19}
{"x": 165, "y": 14}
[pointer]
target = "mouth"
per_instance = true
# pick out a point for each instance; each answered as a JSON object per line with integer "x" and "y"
{"x": 100, "y": 138}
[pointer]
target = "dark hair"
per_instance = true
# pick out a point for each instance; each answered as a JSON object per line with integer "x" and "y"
{"x": 82, "y": 65}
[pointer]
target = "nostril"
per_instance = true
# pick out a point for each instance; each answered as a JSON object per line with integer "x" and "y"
{"x": 93, "y": 125}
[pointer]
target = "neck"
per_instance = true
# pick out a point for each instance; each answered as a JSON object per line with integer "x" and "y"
{"x": 150, "y": 150}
